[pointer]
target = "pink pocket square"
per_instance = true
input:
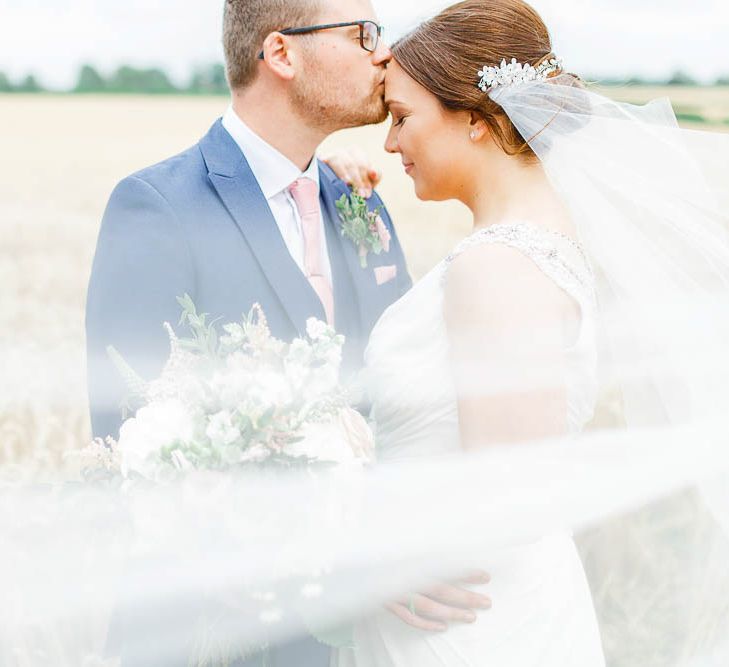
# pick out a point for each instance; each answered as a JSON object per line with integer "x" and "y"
{"x": 384, "y": 274}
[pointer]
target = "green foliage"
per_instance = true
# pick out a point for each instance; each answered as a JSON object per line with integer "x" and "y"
{"x": 30, "y": 85}
{"x": 89, "y": 81}
{"x": 359, "y": 224}
{"x": 354, "y": 213}
{"x": 624, "y": 81}
{"x": 5, "y": 85}
{"x": 690, "y": 117}
{"x": 210, "y": 80}
{"x": 144, "y": 81}
{"x": 637, "y": 81}
{"x": 680, "y": 78}
{"x": 204, "y": 335}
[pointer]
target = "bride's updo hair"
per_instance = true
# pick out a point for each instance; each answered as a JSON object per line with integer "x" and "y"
{"x": 445, "y": 54}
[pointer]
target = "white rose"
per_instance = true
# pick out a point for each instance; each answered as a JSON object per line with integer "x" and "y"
{"x": 270, "y": 388}
{"x": 322, "y": 381}
{"x": 231, "y": 386}
{"x": 155, "y": 426}
{"x": 333, "y": 357}
{"x": 316, "y": 328}
{"x": 256, "y": 454}
{"x": 300, "y": 352}
{"x": 297, "y": 374}
{"x": 220, "y": 429}
{"x": 297, "y": 363}
{"x": 235, "y": 334}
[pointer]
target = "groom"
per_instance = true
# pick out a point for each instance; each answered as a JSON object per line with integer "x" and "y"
{"x": 248, "y": 216}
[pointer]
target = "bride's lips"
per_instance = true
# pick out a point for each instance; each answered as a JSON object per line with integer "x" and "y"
{"x": 408, "y": 166}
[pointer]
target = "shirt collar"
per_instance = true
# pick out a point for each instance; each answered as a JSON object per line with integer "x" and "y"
{"x": 272, "y": 169}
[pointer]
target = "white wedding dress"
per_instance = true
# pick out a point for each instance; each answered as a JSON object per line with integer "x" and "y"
{"x": 542, "y": 612}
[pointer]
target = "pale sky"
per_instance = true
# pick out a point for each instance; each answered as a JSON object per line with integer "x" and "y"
{"x": 652, "y": 38}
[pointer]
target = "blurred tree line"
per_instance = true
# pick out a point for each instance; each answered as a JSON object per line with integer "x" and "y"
{"x": 678, "y": 78}
{"x": 210, "y": 80}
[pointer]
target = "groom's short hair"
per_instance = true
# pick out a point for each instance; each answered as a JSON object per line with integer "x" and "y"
{"x": 247, "y": 23}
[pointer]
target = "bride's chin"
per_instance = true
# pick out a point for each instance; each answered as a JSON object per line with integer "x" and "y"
{"x": 420, "y": 190}
{"x": 419, "y": 193}
{"x": 425, "y": 193}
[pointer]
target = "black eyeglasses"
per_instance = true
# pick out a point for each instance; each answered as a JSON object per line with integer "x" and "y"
{"x": 369, "y": 33}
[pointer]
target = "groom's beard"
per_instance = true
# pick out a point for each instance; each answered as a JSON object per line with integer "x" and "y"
{"x": 330, "y": 107}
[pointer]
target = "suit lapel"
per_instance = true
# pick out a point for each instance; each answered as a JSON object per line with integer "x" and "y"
{"x": 234, "y": 182}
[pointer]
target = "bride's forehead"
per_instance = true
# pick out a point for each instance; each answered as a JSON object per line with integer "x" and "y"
{"x": 399, "y": 85}
{"x": 397, "y": 79}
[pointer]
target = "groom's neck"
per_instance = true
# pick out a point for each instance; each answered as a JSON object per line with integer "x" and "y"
{"x": 276, "y": 123}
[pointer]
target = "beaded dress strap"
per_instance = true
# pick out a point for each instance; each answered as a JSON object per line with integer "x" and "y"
{"x": 558, "y": 256}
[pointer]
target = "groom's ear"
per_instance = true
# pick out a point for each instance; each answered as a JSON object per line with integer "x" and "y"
{"x": 277, "y": 56}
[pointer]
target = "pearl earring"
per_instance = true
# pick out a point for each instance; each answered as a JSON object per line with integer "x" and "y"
{"x": 473, "y": 134}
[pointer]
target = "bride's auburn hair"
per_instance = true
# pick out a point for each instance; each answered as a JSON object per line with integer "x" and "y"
{"x": 445, "y": 54}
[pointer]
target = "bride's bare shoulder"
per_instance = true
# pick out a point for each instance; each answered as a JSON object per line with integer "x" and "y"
{"x": 496, "y": 280}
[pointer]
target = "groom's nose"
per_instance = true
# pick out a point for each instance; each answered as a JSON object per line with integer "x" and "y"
{"x": 382, "y": 54}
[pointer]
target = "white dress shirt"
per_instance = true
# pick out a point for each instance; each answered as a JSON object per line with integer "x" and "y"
{"x": 275, "y": 173}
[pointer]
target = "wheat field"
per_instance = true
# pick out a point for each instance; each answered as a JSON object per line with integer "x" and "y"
{"x": 62, "y": 156}
{"x": 711, "y": 105}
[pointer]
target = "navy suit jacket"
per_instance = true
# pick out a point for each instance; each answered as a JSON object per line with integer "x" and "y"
{"x": 199, "y": 224}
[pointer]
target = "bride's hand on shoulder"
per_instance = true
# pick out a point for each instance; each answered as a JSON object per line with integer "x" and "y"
{"x": 354, "y": 168}
{"x": 442, "y": 604}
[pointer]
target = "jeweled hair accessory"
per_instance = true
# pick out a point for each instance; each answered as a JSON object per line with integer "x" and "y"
{"x": 516, "y": 73}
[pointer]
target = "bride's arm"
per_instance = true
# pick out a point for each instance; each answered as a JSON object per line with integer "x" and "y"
{"x": 506, "y": 325}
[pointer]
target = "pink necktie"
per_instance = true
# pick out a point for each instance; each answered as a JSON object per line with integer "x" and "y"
{"x": 306, "y": 195}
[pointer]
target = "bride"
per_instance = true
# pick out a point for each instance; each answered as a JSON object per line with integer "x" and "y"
{"x": 499, "y": 342}
{"x": 598, "y": 266}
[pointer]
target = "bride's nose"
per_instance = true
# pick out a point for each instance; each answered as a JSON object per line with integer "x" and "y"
{"x": 391, "y": 145}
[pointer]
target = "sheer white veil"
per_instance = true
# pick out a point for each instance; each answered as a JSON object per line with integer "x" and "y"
{"x": 646, "y": 199}
{"x": 650, "y": 203}
{"x": 261, "y": 552}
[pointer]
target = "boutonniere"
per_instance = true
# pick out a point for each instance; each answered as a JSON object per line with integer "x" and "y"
{"x": 365, "y": 228}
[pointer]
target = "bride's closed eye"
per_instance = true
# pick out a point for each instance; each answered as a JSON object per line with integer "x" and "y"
{"x": 397, "y": 122}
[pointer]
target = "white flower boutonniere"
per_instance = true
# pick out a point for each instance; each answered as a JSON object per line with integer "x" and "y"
{"x": 365, "y": 228}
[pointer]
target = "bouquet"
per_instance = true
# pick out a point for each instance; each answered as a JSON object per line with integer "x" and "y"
{"x": 232, "y": 401}
{"x": 239, "y": 399}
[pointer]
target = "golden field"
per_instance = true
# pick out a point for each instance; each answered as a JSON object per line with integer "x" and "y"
{"x": 710, "y": 104}
{"x": 62, "y": 155}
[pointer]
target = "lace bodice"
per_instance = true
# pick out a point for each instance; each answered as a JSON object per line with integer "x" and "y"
{"x": 407, "y": 361}
{"x": 557, "y": 255}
